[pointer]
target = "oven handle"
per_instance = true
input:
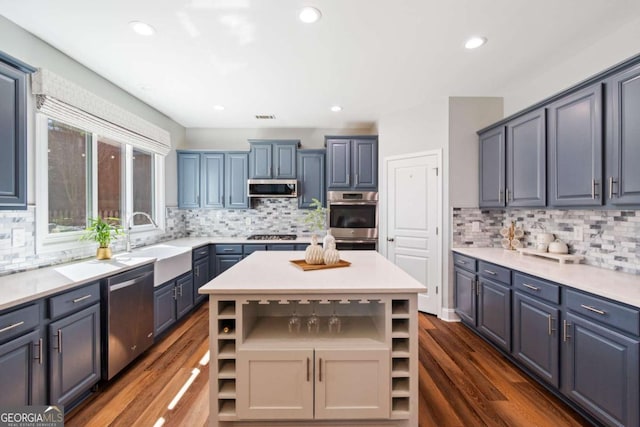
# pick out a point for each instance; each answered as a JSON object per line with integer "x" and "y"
{"x": 353, "y": 203}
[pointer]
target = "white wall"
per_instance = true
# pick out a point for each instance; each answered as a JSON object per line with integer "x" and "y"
{"x": 28, "y": 48}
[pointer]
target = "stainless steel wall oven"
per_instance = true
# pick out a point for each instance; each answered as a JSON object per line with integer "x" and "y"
{"x": 353, "y": 218}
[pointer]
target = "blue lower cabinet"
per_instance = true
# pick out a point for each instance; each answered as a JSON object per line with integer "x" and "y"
{"x": 536, "y": 343}
{"x": 600, "y": 371}
{"x": 184, "y": 294}
{"x": 465, "y": 295}
{"x": 164, "y": 307}
{"x": 74, "y": 355}
{"x": 201, "y": 276}
{"x": 494, "y": 312}
{"x": 22, "y": 370}
{"x": 225, "y": 262}
{"x": 280, "y": 247}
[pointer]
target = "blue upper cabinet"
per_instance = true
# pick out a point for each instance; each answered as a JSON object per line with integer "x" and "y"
{"x": 236, "y": 175}
{"x": 212, "y": 179}
{"x": 492, "y": 159}
{"x": 188, "y": 180}
{"x": 623, "y": 138}
{"x": 575, "y": 149}
{"x": 272, "y": 159}
{"x": 352, "y": 163}
{"x": 13, "y": 138}
{"x": 311, "y": 177}
{"x": 526, "y": 160}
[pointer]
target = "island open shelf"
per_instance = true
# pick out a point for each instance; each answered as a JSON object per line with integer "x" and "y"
{"x": 304, "y": 354}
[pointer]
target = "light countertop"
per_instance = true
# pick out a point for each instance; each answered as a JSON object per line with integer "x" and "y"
{"x": 19, "y": 288}
{"x": 622, "y": 287}
{"x": 269, "y": 273}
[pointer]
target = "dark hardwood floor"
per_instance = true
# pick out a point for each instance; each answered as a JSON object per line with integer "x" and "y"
{"x": 463, "y": 382}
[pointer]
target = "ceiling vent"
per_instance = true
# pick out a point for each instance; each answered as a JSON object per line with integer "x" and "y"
{"x": 265, "y": 116}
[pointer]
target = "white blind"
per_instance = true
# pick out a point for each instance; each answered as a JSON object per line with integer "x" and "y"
{"x": 65, "y": 101}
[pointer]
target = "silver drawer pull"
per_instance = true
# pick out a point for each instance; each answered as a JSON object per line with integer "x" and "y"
{"x": 595, "y": 310}
{"x": 461, "y": 261}
{"x": 82, "y": 298}
{"x": 15, "y": 325}
{"x": 228, "y": 249}
{"x": 493, "y": 273}
{"x": 533, "y": 288}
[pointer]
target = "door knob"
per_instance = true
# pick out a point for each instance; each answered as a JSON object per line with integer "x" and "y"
{"x": 390, "y": 239}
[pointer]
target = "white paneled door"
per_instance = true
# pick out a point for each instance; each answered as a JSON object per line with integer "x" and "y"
{"x": 413, "y": 206}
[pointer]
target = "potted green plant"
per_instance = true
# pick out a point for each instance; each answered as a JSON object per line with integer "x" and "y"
{"x": 315, "y": 219}
{"x": 103, "y": 231}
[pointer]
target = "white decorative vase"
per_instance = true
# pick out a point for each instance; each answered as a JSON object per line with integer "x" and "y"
{"x": 313, "y": 254}
{"x": 331, "y": 254}
{"x": 328, "y": 239}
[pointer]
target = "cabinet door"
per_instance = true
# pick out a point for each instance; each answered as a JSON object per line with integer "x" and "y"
{"x": 225, "y": 262}
{"x": 284, "y": 159}
{"x": 623, "y": 138}
{"x": 200, "y": 278}
{"x": 275, "y": 384}
{"x": 352, "y": 384}
{"x": 21, "y": 371}
{"x": 492, "y": 158}
{"x": 260, "y": 161}
{"x": 465, "y": 295}
{"x": 338, "y": 164}
{"x": 188, "y": 180}
{"x": 212, "y": 180}
{"x": 526, "y": 160}
{"x": 236, "y": 175}
{"x": 575, "y": 149}
{"x": 535, "y": 337}
{"x": 13, "y": 138}
{"x": 164, "y": 307}
{"x": 184, "y": 295}
{"x": 494, "y": 312}
{"x": 365, "y": 164}
{"x": 74, "y": 355}
{"x": 601, "y": 371}
{"x": 311, "y": 177}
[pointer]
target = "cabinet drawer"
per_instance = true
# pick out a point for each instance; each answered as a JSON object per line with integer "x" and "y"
{"x": 249, "y": 249}
{"x": 74, "y": 300}
{"x": 494, "y": 272}
{"x": 465, "y": 262}
{"x": 537, "y": 287}
{"x": 19, "y": 321}
{"x": 200, "y": 252}
{"x": 281, "y": 247}
{"x": 228, "y": 249}
{"x": 616, "y": 315}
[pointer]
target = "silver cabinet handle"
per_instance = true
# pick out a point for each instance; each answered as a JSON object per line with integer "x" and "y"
{"x": 533, "y": 288}
{"x": 197, "y": 271}
{"x": 320, "y": 370}
{"x": 8, "y": 328}
{"x": 228, "y": 249}
{"x": 59, "y": 340}
{"x": 499, "y": 196}
{"x": 356, "y": 180}
{"x": 308, "y": 369}
{"x": 175, "y": 292}
{"x": 39, "y": 344}
{"x": 565, "y": 328}
{"x": 477, "y": 287}
{"x": 493, "y": 273}
{"x": 461, "y": 261}
{"x": 390, "y": 239}
{"x": 507, "y": 196}
{"x": 180, "y": 289}
{"x": 551, "y": 330}
{"x": 594, "y": 183}
{"x": 612, "y": 181}
{"x": 595, "y": 310}
{"x": 81, "y": 298}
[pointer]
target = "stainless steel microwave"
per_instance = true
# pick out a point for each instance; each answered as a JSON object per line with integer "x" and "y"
{"x": 272, "y": 188}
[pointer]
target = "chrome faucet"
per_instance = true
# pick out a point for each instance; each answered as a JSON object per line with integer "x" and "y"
{"x": 130, "y": 225}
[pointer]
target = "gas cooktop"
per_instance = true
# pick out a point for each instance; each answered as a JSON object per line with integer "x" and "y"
{"x": 272, "y": 237}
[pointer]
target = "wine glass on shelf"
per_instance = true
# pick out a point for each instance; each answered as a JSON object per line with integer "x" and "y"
{"x": 335, "y": 325}
{"x": 313, "y": 322}
{"x": 294, "y": 320}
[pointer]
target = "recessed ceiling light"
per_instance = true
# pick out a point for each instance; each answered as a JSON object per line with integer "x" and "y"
{"x": 142, "y": 28}
{"x": 475, "y": 42}
{"x": 309, "y": 15}
{"x": 336, "y": 108}
{"x": 218, "y": 107}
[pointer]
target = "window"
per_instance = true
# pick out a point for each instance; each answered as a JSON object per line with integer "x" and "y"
{"x": 89, "y": 175}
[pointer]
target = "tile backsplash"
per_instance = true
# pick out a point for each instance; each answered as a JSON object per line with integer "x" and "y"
{"x": 609, "y": 238}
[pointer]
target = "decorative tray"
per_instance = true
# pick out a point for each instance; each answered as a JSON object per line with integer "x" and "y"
{"x": 561, "y": 258}
{"x": 300, "y": 263}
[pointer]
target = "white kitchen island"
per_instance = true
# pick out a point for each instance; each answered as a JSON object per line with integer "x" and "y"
{"x": 360, "y": 371}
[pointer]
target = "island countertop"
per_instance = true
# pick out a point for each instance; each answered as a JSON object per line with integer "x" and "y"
{"x": 272, "y": 273}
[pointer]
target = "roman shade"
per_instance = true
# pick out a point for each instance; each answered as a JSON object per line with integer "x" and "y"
{"x": 63, "y": 100}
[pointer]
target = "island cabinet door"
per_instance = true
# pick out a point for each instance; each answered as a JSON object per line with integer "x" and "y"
{"x": 274, "y": 384}
{"x": 352, "y": 384}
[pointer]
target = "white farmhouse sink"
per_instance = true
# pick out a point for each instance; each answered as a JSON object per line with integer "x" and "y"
{"x": 171, "y": 261}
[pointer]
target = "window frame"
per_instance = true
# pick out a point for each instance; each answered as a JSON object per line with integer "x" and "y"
{"x": 54, "y": 242}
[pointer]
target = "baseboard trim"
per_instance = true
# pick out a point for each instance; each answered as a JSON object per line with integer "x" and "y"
{"x": 449, "y": 315}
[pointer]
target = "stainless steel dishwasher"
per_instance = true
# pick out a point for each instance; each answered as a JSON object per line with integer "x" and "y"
{"x": 127, "y": 318}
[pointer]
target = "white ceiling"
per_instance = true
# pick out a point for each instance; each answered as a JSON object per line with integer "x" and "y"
{"x": 372, "y": 57}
